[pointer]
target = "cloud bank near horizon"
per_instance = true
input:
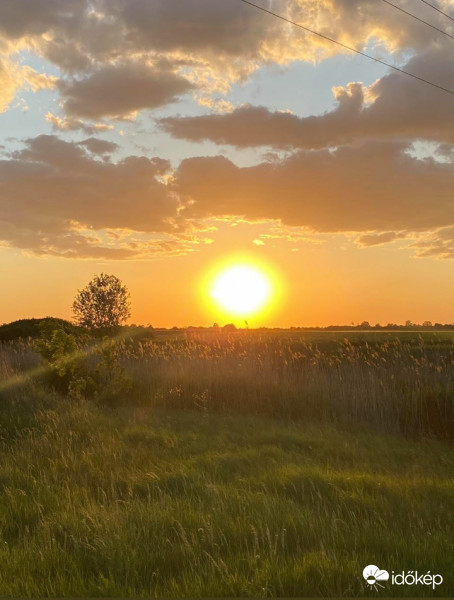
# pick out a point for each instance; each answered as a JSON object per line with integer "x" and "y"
{"x": 58, "y": 196}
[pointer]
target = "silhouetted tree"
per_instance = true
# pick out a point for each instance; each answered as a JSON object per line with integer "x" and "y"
{"x": 104, "y": 303}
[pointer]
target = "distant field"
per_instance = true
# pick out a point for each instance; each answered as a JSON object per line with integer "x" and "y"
{"x": 322, "y": 337}
{"x": 244, "y": 464}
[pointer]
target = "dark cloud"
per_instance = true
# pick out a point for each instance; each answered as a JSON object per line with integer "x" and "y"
{"x": 58, "y": 179}
{"x": 35, "y": 17}
{"x": 402, "y": 108}
{"x": 194, "y": 25}
{"x": 58, "y": 199}
{"x": 83, "y": 33}
{"x": 96, "y": 146}
{"x": 116, "y": 91}
{"x": 216, "y": 26}
{"x": 52, "y": 190}
{"x": 104, "y": 47}
{"x": 366, "y": 187}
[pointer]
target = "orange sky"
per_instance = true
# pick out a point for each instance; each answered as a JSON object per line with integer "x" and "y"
{"x": 318, "y": 285}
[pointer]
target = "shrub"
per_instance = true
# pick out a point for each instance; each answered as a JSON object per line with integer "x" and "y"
{"x": 67, "y": 369}
{"x": 82, "y": 372}
{"x": 112, "y": 380}
{"x": 31, "y": 328}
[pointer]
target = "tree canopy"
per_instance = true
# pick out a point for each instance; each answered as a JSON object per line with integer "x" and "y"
{"x": 103, "y": 303}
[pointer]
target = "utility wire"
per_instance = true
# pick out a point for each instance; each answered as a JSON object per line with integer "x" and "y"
{"x": 438, "y": 9}
{"x": 418, "y": 19}
{"x": 325, "y": 37}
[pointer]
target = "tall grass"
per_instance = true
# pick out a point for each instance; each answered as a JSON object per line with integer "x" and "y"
{"x": 388, "y": 384}
{"x": 134, "y": 502}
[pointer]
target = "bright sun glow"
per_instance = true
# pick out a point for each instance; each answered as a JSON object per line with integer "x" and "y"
{"x": 242, "y": 290}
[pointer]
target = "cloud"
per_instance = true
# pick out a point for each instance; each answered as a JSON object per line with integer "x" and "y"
{"x": 59, "y": 199}
{"x": 365, "y": 187}
{"x": 53, "y": 190}
{"x": 106, "y": 29}
{"x": 117, "y": 91}
{"x": 349, "y": 169}
{"x": 212, "y": 43}
{"x": 72, "y": 124}
{"x": 377, "y": 239}
{"x": 96, "y": 146}
{"x": 65, "y": 243}
{"x": 195, "y": 25}
{"x": 71, "y": 243}
{"x": 14, "y": 77}
{"x": 29, "y": 17}
{"x": 438, "y": 244}
{"x": 402, "y": 108}
{"x": 8, "y": 85}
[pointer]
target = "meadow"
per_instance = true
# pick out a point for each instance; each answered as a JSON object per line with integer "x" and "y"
{"x": 244, "y": 464}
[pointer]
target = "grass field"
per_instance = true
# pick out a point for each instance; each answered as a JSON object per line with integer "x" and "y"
{"x": 238, "y": 466}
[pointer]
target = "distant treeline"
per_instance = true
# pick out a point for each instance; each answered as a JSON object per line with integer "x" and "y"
{"x": 364, "y": 326}
{"x": 426, "y": 326}
{"x": 32, "y": 328}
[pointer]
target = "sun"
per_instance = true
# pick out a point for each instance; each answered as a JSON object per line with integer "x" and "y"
{"x": 242, "y": 290}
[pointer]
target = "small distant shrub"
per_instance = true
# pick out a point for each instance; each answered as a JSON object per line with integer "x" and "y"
{"x": 90, "y": 372}
{"x": 67, "y": 369}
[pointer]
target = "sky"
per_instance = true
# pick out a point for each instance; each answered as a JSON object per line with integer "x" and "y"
{"x": 163, "y": 141}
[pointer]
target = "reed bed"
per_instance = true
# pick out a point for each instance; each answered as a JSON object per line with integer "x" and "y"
{"x": 391, "y": 385}
{"x": 396, "y": 386}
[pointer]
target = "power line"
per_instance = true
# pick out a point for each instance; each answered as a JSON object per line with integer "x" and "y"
{"x": 438, "y": 9}
{"x": 418, "y": 19}
{"x": 325, "y": 37}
